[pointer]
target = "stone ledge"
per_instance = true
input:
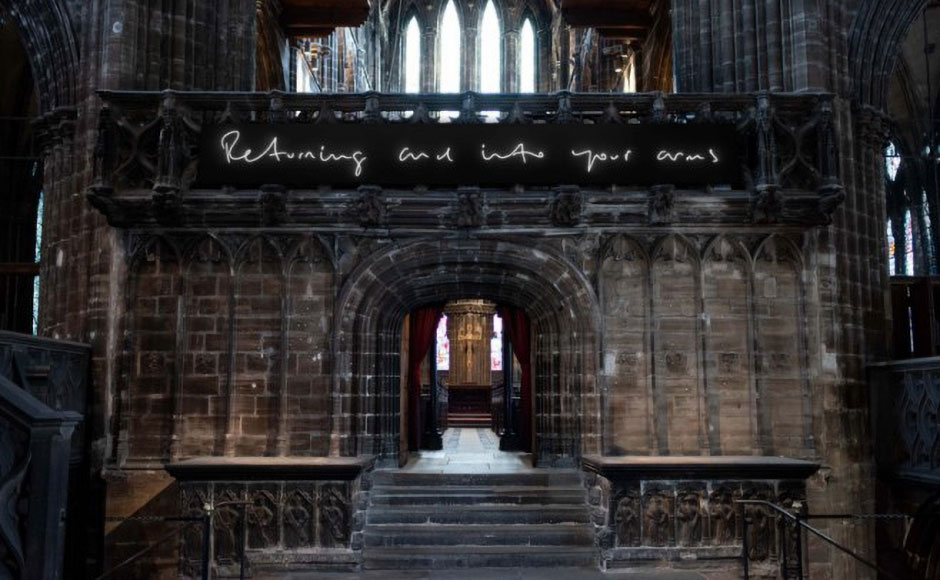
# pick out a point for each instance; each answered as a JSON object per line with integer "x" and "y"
{"x": 724, "y": 467}
{"x": 269, "y": 468}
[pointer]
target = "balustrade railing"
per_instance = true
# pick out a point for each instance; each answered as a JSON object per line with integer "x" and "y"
{"x": 905, "y": 398}
{"x": 43, "y": 387}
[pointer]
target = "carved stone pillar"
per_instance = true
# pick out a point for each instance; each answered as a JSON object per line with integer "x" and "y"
{"x": 470, "y": 56}
{"x": 511, "y": 80}
{"x": 430, "y": 72}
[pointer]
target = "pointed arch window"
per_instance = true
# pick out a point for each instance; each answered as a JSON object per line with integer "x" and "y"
{"x": 629, "y": 72}
{"x": 491, "y": 57}
{"x": 527, "y": 57}
{"x": 892, "y": 161}
{"x": 449, "y": 77}
{"x": 412, "y": 56}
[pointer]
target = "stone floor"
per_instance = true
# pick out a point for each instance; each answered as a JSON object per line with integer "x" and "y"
{"x": 469, "y": 450}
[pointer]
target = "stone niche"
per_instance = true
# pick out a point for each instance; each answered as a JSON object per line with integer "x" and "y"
{"x": 647, "y": 510}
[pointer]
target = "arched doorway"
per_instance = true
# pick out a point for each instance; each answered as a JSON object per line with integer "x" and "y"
{"x": 466, "y": 385}
{"x": 400, "y": 278}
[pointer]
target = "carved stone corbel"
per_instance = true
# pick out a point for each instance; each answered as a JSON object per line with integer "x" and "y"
{"x": 567, "y": 206}
{"x": 662, "y": 204}
{"x": 767, "y": 204}
{"x": 469, "y": 210}
{"x": 370, "y": 209}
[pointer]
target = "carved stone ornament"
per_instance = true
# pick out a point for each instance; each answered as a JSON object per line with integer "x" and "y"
{"x": 469, "y": 211}
{"x": 767, "y": 204}
{"x": 831, "y": 196}
{"x": 689, "y": 515}
{"x": 723, "y": 517}
{"x": 662, "y": 204}
{"x": 567, "y": 207}
{"x": 627, "y": 520}
{"x": 620, "y": 248}
{"x": 370, "y": 209}
{"x": 657, "y": 518}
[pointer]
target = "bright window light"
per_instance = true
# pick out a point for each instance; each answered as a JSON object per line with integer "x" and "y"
{"x": 490, "y": 50}
{"x": 413, "y": 57}
{"x": 629, "y": 74}
{"x": 450, "y": 50}
{"x": 527, "y": 57}
{"x": 443, "y": 345}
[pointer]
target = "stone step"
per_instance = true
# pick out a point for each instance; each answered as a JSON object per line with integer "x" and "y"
{"x": 479, "y": 514}
{"x": 540, "y": 477}
{"x": 477, "y": 535}
{"x": 445, "y": 557}
{"x": 468, "y": 423}
{"x": 476, "y": 495}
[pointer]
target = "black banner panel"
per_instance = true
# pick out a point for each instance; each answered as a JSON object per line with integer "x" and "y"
{"x": 487, "y": 155}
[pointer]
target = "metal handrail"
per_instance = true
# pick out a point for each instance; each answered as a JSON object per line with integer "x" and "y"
{"x": 206, "y": 520}
{"x": 800, "y": 521}
{"x": 187, "y": 522}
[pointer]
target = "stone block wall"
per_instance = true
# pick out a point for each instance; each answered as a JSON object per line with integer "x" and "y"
{"x": 704, "y": 346}
{"x": 227, "y": 347}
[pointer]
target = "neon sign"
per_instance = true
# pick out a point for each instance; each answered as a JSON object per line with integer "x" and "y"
{"x": 297, "y": 155}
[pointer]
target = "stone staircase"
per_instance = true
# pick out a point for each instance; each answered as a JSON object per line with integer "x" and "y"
{"x": 438, "y": 521}
{"x": 475, "y": 420}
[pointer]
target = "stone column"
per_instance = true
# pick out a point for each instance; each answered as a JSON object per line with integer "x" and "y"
{"x": 470, "y": 58}
{"x": 431, "y": 64}
{"x": 511, "y": 80}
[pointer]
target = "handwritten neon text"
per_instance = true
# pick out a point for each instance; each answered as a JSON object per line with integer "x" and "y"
{"x": 229, "y": 141}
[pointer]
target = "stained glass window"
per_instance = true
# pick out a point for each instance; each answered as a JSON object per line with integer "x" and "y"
{"x": 892, "y": 161}
{"x": 36, "y": 250}
{"x": 891, "y": 250}
{"x": 909, "y": 243}
{"x": 496, "y": 344}
{"x": 413, "y": 56}
{"x": 443, "y": 346}
{"x": 527, "y": 57}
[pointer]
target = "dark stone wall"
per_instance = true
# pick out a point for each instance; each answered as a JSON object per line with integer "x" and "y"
{"x": 287, "y": 343}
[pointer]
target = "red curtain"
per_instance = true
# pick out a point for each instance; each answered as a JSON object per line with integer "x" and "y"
{"x": 516, "y": 325}
{"x": 421, "y": 332}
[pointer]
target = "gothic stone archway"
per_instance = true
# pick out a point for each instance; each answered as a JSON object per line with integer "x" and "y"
{"x": 403, "y": 276}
